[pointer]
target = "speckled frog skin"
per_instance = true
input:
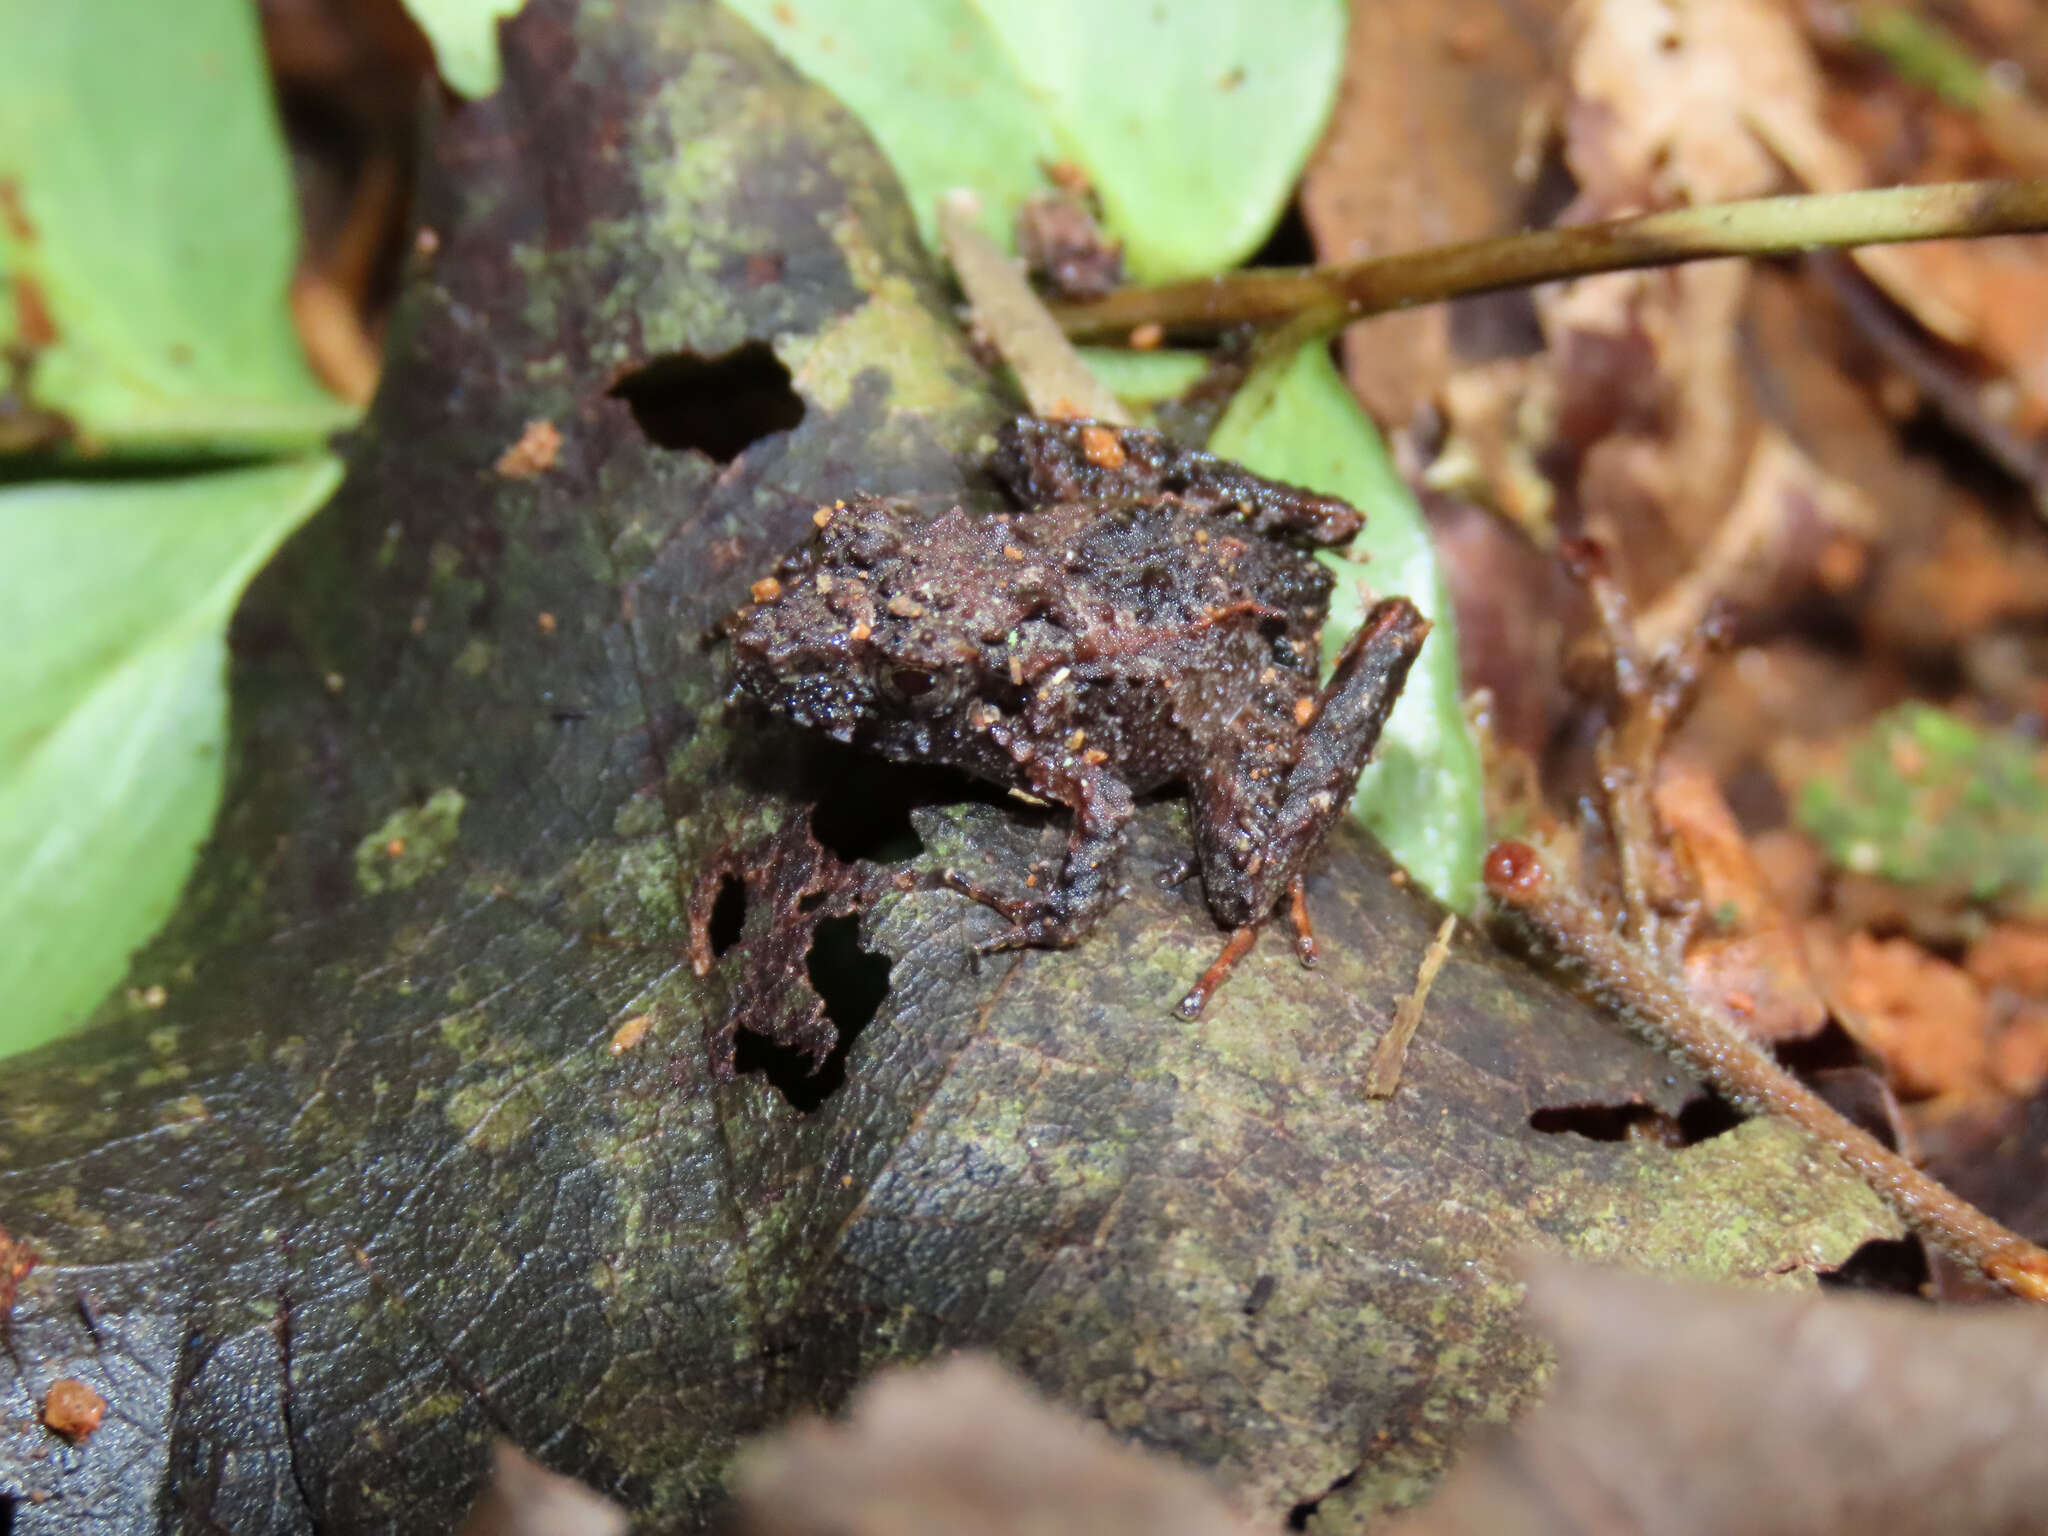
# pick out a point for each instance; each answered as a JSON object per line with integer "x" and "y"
{"x": 1151, "y": 617}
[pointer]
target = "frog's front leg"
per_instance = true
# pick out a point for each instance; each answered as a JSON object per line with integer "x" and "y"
{"x": 1255, "y": 834}
{"x": 1087, "y": 881}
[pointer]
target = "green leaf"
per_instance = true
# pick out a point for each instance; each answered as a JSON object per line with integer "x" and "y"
{"x": 1145, "y": 378}
{"x": 1422, "y": 794}
{"x": 112, "y": 653}
{"x": 1192, "y": 120}
{"x": 465, "y": 38}
{"x": 147, "y": 230}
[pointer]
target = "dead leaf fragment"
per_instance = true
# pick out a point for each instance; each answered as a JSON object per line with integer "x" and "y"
{"x": 526, "y": 1499}
{"x": 2013, "y": 955}
{"x": 785, "y": 884}
{"x": 1664, "y": 95}
{"x": 1688, "y": 1409}
{"x": 1923, "y": 1017}
{"x": 965, "y": 1447}
{"x": 1747, "y": 958}
{"x": 1419, "y": 152}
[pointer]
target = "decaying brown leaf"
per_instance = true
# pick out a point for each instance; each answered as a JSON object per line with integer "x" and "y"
{"x": 525, "y": 1499}
{"x": 1424, "y": 149}
{"x": 1746, "y": 956}
{"x": 1684, "y": 1408}
{"x": 966, "y": 1449}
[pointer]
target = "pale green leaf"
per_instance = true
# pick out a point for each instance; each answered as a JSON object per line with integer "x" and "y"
{"x": 1145, "y": 378}
{"x": 465, "y": 38}
{"x": 1422, "y": 794}
{"x": 147, "y": 230}
{"x": 112, "y": 658}
{"x": 1192, "y": 120}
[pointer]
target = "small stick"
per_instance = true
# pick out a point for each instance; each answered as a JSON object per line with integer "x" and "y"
{"x": 1659, "y": 1006}
{"x": 1054, "y": 379}
{"x": 1327, "y": 298}
{"x": 1390, "y": 1056}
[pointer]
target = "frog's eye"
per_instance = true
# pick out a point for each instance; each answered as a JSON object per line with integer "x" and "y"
{"x": 910, "y": 682}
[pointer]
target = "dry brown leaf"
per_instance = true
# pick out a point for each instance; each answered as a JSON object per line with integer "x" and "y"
{"x": 526, "y": 1499}
{"x": 1791, "y": 526}
{"x": 1684, "y": 1408}
{"x": 2012, "y": 955}
{"x": 1923, "y": 1017}
{"x": 966, "y": 1449}
{"x": 1422, "y": 151}
{"x": 1663, "y": 97}
{"x": 1748, "y": 959}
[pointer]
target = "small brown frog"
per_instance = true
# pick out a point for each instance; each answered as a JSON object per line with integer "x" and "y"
{"x": 1152, "y": 618}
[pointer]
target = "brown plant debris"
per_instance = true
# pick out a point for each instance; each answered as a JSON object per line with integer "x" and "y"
{"x": 966, "y": 1447}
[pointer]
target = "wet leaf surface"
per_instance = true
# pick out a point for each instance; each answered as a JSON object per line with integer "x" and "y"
{"x": 382, "y": 1175}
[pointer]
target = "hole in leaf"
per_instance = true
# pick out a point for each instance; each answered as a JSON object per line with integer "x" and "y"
{"x": 717, "y": 405}
{"x": 1608, "y": 1122}
{"x": 1701, "y": 1118}
{"x": 728, "y": 914}
{"x": 1894, "y": 1265}
{"x": 1261, "y": 1293}
{"x": 1299, "y": 1516}
{"x": 1704, "y": 1116}
{"x": 851, "y": 982}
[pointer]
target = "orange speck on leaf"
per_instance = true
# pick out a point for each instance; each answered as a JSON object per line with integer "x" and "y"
{"x": 534, "y": 453}
{"x": 72, "y": 1409}
{"x": 631, "y": 1033}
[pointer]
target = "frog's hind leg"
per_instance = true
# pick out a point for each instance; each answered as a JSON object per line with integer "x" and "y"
{"x": 1254, "y": 846}
{"x": 1087, "y": 883}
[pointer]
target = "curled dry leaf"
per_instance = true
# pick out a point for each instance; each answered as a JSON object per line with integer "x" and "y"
{"x": 1747, "y": 957}
{"x": 1686, "y": 1409}
{"x": 966, "y": 1447}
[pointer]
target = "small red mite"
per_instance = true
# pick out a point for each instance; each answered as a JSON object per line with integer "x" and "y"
{"x": 1513, "y": 871}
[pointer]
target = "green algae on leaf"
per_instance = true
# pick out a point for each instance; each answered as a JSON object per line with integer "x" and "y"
{"x": 112, "y": 655}
{"x": 410, "y": 844}
{"x": 1926, "y": 799}
{"x": 1296, "y": 420}
{"x": 1191, "y": 121}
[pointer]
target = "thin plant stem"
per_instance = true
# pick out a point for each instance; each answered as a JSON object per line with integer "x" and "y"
{"x": 1318, "y": 300}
